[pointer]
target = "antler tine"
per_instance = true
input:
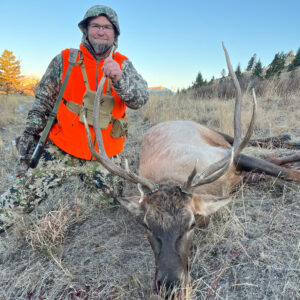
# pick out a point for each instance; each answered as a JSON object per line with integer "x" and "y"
{"x": 187, "y": 185}
{"x": 96, "y": 121}
{"x": 216, "y": 170}
{"x": 251, "y": 126}
{"x": 219, "y": 168}
{"x": 102, "y": 156}
{"x": 210, "y": 174}
{"x": 238, "y": 101}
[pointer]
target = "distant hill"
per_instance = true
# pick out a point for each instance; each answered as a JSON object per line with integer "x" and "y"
{"x": 160, "y": 90}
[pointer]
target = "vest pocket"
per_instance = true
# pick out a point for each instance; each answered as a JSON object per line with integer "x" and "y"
{"x": 107, "y": 103}
{"x": 120, "y": 128}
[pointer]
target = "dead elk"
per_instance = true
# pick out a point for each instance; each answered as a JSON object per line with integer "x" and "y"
{"x": 186, "y": 170}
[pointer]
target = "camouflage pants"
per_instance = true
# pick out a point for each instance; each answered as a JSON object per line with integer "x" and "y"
{"x": 54, "y": 167}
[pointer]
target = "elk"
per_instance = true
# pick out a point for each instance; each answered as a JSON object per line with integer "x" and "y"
{"x": 186, "y": 170}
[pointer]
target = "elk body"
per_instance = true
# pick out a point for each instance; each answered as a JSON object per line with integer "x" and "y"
{"x": 186, "y": 170}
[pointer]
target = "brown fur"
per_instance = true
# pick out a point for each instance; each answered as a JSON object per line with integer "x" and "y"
{"x": 214, "y": 139}
{"x": 166, "y": 206}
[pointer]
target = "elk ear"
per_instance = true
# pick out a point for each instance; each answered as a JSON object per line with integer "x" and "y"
{"x": 206, "y": 205}
{"x": 132, "y": 204}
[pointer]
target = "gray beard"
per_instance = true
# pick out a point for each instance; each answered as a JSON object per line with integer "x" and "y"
{"x": 99, "y": 48}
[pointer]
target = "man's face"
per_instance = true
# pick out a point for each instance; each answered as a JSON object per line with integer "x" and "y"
{"x": 101, "y": 34}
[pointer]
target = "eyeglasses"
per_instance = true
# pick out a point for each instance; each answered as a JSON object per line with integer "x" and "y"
{"x": 96, "y": 27}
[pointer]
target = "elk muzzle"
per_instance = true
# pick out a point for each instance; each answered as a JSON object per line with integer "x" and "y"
{"x": 171, "y": 270}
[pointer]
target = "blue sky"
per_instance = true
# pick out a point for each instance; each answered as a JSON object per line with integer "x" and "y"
{"x": 169, "y": 42}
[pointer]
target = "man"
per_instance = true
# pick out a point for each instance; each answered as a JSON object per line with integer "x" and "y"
{"x": 123, "y": 87}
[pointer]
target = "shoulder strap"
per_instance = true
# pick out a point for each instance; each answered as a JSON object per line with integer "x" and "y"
{"x": 84, "y": 75}
{"x": 73, "y": 56}
{"x": 72, "y": 62}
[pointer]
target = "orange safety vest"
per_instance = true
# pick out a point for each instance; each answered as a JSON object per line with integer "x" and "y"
{"x": 68, "y": 133}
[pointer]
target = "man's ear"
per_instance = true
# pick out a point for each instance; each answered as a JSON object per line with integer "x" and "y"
{"x": 132, "y": 204}
{"x": 206, "y": 205}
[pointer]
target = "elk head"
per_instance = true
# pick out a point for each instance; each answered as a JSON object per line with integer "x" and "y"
{"x": 169, "y": 210}
{"x": 169, "y": 216}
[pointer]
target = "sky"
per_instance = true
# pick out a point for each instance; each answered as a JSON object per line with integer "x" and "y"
{"x": 168, "y": 41}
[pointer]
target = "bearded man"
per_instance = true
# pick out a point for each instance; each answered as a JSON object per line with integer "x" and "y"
{"x": 124, "y": 87}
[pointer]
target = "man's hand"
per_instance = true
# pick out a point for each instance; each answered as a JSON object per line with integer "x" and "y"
{"x": 25, "y": 145}
{"x": 112, "y": 70}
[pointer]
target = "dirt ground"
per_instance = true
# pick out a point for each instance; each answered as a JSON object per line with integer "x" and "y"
{"x": 250, "y": 250}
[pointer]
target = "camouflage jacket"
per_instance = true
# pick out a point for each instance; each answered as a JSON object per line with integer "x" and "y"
{"x": 132, "y": 89}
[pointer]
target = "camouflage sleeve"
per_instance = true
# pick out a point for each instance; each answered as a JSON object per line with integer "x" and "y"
{"x": 45, "y": 97}
{"x": 132, "y": 88}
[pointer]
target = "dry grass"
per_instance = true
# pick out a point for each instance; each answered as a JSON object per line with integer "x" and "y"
{"x": 13, "y": 111}
{"x": 8, "y": 107}
{"x": 48, "y": 232}
{"x": 275, "y": 115}
{"x": 253, "y": 236}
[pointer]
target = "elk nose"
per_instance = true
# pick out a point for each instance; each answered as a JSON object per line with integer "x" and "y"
{"x": 169, "y": 289}
{"x": 167, "y": 285}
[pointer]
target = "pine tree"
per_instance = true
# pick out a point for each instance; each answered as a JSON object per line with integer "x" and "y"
{"x": 223, "y": 73}
{"x": 212, "y": 80}
{"x": 295, "y": 62}
{"x": 257, "y": 69}
{"x": 10, "y": 72}
{"x": 199, "y": 81}
{"x": 277, "y": 65}
{"x": 251, "y": 63}
{"x": 238, "y": 71}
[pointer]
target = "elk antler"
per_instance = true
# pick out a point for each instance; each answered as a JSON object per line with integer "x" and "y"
{"x": 216, "y": 170}
{"x": 102, "y": 156}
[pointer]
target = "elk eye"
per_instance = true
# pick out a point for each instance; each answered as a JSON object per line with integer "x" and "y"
{"x": 192, "y": 225}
